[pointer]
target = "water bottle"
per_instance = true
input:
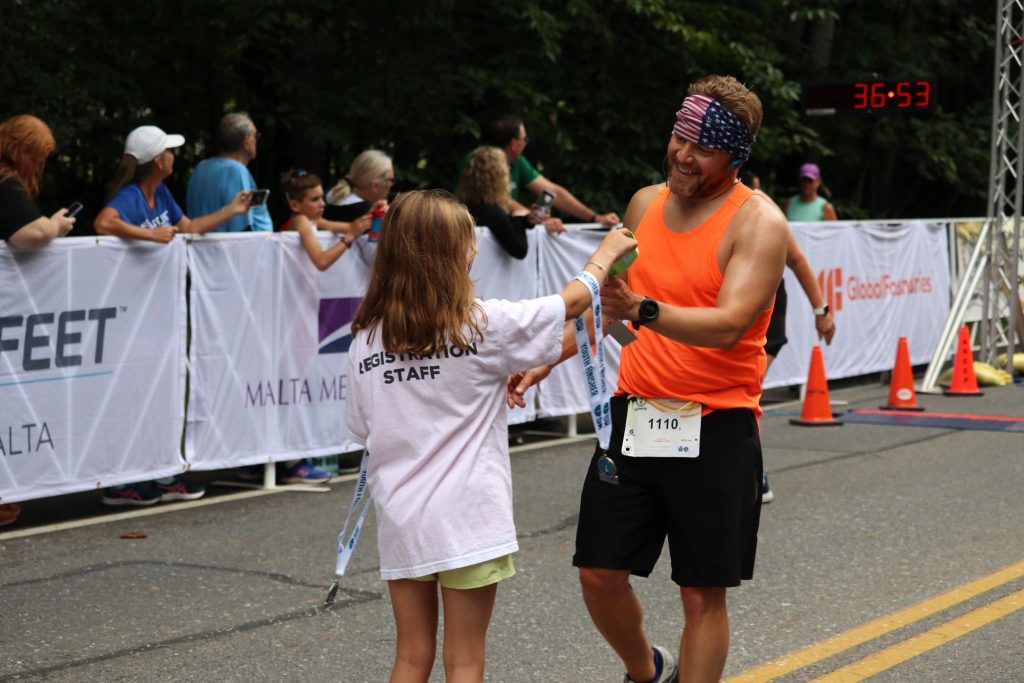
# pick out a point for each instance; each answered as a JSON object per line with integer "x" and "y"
{"x": 624, "y": 262}
{"x": 378, "y": 219}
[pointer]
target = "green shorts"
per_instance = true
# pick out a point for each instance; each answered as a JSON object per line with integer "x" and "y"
{"x": 475, "y": 575}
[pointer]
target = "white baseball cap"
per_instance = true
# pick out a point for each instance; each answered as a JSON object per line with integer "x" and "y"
{"x": 146, "y": 143}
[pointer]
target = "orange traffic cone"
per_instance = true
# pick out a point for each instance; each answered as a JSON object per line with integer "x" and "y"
{"x": 964, "y": 382}
{"x": 817, "y": 411}
{"x": 901, "y": 387}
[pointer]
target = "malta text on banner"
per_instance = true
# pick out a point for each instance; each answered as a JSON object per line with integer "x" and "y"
{"x": 269, "y": 354}
{"x": 92, "y": 378}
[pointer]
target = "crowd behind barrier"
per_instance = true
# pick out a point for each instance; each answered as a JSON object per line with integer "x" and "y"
{"x": 93, "y": 334}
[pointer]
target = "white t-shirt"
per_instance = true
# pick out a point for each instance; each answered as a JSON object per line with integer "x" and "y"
{"x": 437, "y": 436}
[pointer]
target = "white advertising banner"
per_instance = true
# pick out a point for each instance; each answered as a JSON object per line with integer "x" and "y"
{"x": 561, "y": 257}
{"x": 92, "y": 381}
{"x": 93, "y": 334}
{"x": 499, "y": 276}
{"x": 883, "y": 281}
{"x": 269, "y": 354}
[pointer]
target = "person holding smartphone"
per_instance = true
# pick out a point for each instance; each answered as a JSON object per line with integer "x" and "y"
{"x": 25, "y": 144}
{"x": 217, "y": 179}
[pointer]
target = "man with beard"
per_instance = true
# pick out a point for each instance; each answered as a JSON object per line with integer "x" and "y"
{"x": 700, "y": 293}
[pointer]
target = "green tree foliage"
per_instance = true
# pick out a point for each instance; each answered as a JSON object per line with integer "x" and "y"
{"x": 597, "y": 82}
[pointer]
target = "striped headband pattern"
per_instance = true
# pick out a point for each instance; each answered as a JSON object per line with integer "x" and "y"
{"x": 704, "y": 121}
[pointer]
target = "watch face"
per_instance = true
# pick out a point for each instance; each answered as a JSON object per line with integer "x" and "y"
{"x": 648, "y": 310}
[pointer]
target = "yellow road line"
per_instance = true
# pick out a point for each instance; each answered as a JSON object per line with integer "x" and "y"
{"x": 929, "y": 640}
{"x": 879, "y": 627}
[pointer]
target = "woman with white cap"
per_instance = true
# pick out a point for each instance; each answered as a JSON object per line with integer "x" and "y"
{"x": 140, "y": 206}
{"x": 808, "y": 206}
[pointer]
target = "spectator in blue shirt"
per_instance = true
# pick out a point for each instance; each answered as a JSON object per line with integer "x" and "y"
{"x": 141, "y": 207}
{"x": 216, "y": 180}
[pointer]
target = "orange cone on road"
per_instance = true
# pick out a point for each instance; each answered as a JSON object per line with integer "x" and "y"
{"x": 817, "y": 411}
{"x": 964, "y": 382}
{"x": 901, "y": 387}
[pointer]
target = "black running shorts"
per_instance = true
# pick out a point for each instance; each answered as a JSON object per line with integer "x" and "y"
{"x": 708, "y": 507}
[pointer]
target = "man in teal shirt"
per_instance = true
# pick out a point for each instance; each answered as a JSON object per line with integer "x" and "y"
{"x": 216, "y": 180}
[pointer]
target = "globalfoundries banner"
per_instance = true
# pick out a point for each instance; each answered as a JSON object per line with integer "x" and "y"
{"x": 92, "y": 375}
{"x": 270, "y": 338}
{"x": 882, "y": 282}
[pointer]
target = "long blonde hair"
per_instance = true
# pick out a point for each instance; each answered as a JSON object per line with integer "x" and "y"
{"x": 485, "y": 179}
{"x": 421, "y": 297}
{"x": 369, "y": 166}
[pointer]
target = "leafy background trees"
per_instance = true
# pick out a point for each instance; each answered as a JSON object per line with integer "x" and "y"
{"x": 597, "y": 82}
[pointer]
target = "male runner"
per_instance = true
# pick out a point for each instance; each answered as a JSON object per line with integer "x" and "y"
{"x": 711, "y": 254}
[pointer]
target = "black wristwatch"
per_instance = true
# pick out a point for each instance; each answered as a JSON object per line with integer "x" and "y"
{"x": 648, "y": 313}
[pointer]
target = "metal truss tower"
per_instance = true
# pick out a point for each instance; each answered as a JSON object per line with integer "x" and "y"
{"x": 991, "y": 286}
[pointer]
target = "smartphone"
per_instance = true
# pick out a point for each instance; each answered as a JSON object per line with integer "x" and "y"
{"x": 259, "y": 197}
{"x": 74, "y": 209}
{"x": 544, "y": 204}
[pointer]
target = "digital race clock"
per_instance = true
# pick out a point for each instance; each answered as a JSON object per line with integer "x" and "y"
{"x": 868, "y": 96}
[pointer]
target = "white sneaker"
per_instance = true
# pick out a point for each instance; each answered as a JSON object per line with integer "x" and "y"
{"x": 669, "y": 668}
{"x": 767, "y": 495}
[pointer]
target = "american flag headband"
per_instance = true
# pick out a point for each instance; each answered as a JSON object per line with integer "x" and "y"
{"x": 704, "y": 121}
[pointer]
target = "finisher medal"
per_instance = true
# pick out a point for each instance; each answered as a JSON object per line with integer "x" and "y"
{"x": 606, "y": 470}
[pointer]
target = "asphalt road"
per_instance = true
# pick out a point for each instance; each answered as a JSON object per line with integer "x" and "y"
{"x": 881, "y": 551}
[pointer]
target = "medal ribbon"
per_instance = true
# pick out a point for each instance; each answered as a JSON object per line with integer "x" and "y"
{"x": 346, "y": 546}
{"x": 593, "y": 367}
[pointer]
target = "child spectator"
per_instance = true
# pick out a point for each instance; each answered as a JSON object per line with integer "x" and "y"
{"x": 428, "y": 368}
{"x": 305, "y": 196}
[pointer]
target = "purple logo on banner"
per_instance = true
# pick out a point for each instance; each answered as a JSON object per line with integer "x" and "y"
{"x": 335, "y": 323}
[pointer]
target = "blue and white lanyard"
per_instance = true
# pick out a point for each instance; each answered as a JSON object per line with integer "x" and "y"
{"x": 593, "y": 368}
{"x": 346, "y": 542}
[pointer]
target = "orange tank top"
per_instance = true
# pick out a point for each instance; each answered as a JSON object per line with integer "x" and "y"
{"x": 682, "y": 269}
